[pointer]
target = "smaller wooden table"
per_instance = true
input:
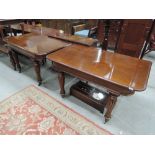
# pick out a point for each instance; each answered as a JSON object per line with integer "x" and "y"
{"x": 119, "y": 74}
{"x": 34, "y": 46}
{"x": 54, "y": 33}
{"x": 75, "y": 39}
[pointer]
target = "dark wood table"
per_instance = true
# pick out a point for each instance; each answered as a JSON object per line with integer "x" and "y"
{"x": 119, "y": 74}
{"x": 76, "y": 39}
{"x": 35, "y": 47}
{"x": 54, "y": 33}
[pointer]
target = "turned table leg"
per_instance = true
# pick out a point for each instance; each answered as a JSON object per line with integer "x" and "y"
{"x": 15, "y": 56}
{"x": 110, "y": 105}
{"x": 12, "y": 60}
{"x": 61, "y": 79}
{"x": 37, "y": 70}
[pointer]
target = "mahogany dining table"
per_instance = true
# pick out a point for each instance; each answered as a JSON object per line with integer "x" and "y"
{"x": 118, "y": 74}
{"x": 33, "y": 46}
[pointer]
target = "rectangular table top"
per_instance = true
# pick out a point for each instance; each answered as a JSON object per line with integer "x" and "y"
{"x": 126, "y": 71}
{"x": 59, "y": 34}
{"x": 76, "y": 39}
{"x": 36, "y": 44}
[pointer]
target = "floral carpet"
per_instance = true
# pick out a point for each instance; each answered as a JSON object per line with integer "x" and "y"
{"x": 33, "y": 112}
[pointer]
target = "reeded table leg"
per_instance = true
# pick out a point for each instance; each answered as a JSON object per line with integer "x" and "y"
{"x": 12, "y": 60}
{"x": 15, "y": 56}
{"x": 61, "y": 79}
{"x": 110, "y": 105}
{"x": 37, "y": 70}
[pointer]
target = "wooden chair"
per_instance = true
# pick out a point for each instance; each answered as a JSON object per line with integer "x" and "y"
{"x": 32, "y": 21}
{"x": 108, "y": 33}
{"x": 4, "y": 48}
{"x": 150, "y": 42}
{"x": 85, "y": 29}
{"x": 151, "y": 45}
{"x": 102, "y": 33}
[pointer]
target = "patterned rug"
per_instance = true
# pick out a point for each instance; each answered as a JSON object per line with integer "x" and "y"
{"x": 33, "y": 112}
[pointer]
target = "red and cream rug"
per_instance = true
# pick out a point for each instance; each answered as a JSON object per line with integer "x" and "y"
{"x": 33, "y": 112}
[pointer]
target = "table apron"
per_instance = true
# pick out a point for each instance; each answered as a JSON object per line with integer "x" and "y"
{"x": 111, "y": 87}
{"x": 26, "y": 53}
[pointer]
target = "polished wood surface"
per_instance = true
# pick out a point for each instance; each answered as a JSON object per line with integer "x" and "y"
{"x": 34, "y": 44}
{"x": 76, "y": 39}
{"x": 119, "y": 74}
{"x": 105, "y": 65}
{"x": 35, "y": 47}
{"x": 54, "y": 33}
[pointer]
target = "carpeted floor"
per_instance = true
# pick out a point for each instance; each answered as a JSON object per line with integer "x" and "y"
{"x": 31, "y": 111}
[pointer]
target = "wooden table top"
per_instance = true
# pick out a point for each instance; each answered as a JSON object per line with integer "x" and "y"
{"x": 126, "y": 71}
{"x": 59, "y": 34}
{"x": 76, "y": 39}
{"x": 36, "y": 44}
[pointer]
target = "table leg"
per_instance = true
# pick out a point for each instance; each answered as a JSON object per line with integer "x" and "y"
{"x": 44, "y": 61}
{"x": 61, "y": 79}
{"x": 110, "y": 105}
{"x": 12, "y": 60}
{"x": 14, "y": 32}
{"x": 37, "y": 70}
{"x": 15, "y": 56}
